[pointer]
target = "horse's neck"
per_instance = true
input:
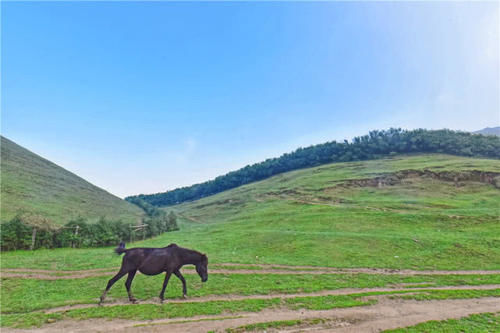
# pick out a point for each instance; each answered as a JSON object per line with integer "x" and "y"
{"x": 191, "y": 257}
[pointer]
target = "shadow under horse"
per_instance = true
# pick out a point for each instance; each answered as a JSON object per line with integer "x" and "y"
{"x": 153, "y": 261}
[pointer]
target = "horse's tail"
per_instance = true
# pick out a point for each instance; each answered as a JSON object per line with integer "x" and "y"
{"x": 120, "y": 249}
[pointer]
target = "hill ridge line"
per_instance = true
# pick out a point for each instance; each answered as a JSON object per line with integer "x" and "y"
{"x": 376, "y": 144}
{"x": 34, "y": 185}
{"x": 59, "y": 167}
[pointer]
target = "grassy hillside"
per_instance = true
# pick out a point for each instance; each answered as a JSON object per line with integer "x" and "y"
{"x": 33, "y": 184}
{"x": 324, "y": 216}
{"x": 421, "y": 211}
{"x": 377, "y": 144}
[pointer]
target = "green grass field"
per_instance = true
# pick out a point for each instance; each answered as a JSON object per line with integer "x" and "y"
{"x": 322, "y": 216}
{"x": 33, "y": 184}
{"x": 26, "y": 295}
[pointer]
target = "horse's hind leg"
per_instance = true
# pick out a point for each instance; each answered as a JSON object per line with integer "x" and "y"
{"x": 111, "y": 282}
{"x": 128, "y": 284}
{"x": 184, "y": 289}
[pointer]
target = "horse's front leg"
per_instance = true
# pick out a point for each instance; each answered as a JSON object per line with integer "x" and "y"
{"x": 167, "y": 277}
{"x": 184, "y": 289}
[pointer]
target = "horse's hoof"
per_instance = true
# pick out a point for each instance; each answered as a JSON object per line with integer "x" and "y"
{"x": 185, "y": 296}
{"x": 133, "y": 301}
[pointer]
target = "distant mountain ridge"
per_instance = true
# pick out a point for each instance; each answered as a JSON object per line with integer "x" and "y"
{"x": 375, "y": 145}
{"x": 489, "y": 131}
{"x": 33, "y": 184}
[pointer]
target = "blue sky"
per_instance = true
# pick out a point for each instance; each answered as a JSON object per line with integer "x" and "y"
{"x": 145, "y": 97}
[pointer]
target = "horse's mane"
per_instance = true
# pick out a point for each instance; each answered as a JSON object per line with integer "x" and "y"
{"x": 183, "y": 249}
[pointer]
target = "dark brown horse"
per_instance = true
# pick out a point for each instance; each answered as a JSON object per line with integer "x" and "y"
{"x": 153, "y": 261}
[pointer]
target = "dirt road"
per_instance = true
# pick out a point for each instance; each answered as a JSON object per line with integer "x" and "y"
{"x": 386, "y": 314}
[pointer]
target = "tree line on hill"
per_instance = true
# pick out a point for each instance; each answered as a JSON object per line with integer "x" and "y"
{"x": 375, "y": 145}
{"x": 30, "y": 231}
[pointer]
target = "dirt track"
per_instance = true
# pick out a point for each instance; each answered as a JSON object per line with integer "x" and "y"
{"x": 345, "y": 291}
{"x": 386, "y": 314}
{"x": 43, "y": 274}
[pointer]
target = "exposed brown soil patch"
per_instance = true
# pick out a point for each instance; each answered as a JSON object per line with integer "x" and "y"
{"x": 456, "y": 177}
{"x": 40, "y": 276}
{"x": 331, "y": 270}
{"x": 192, "y": 219}
{"x": 53, "y": 271}
{"x": 232, "y": 201}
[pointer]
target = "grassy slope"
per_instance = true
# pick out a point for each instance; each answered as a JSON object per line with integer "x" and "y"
{"x": 421, "y": 224}
{"x": 34, "y": 184}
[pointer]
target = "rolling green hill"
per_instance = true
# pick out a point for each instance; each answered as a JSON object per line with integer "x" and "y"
{"x": 377, "y": 144}
{"x": 413, "y": 211}
{"x": 32, "y": 184}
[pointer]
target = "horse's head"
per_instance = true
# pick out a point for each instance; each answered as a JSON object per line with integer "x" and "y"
{"x": 201, "y": 268}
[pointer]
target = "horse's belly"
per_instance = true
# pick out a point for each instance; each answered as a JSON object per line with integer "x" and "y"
{"x": 150, "y": 271}
{"x": 153, "y": 265}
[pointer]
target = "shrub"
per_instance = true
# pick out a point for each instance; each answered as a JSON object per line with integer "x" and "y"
{"x": 17, "y": 233}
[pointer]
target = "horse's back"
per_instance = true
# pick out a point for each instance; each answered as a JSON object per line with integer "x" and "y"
{"x": 156, "y": 262}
